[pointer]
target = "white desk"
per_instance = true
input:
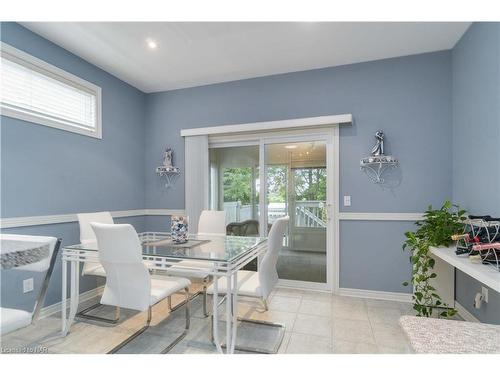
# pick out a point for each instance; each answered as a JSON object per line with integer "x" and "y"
{"x": 483, "y": 273}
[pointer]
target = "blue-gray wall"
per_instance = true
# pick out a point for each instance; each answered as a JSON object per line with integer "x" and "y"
{"x": 48, "y": 171}
{"x": 409, "y": 98}
{"x": 476, "y": 141}
{"x": 476, "y": 119}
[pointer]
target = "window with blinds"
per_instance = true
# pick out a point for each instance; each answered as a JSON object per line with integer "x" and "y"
{"x": 35, "y": 91}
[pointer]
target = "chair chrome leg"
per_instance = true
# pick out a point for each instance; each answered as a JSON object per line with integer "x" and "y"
{"x": 188, "y": 323}
{"x": 148, "y": 323}
{"x": 264, "y": 302}
{"x": 259, "y": 350}
{"x": 182, "y": 303}
{"x": 45, "y": 284}
{"x": 192, "y": 297}
{"x": 253, "y": 321}
{"x": 117, "y": 313}
{"x": 188, "y": 309}
{"x": 205, "y": 308}
{"x": 83, "y": 314}
{"x": 130, "y": 338}
{"x": 211, "y": 329}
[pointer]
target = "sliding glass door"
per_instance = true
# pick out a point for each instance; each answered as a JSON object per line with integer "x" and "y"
{"x": 296, "y": 185}
{"x": 255, "y": 184}
{"x": 234, "y": 187}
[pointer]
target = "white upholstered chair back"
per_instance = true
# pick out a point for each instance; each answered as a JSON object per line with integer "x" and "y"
{"x": 212, "y": 222}
{"x": 268, "y": 274}
{"x": 128, "y": 283}
{"x": 43, "y": 264}
{"x": 86, "y": 232}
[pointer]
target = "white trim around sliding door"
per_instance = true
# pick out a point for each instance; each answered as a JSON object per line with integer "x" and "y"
{"x": 306, "y": 122}
{"x": 330, "y": 135}
{"x": 336, "y": 209}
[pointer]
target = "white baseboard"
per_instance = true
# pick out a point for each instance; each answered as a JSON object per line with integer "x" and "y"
{"x": 464, "y": 313}
{"x": 400, "y": 297}
{"x": 375, "y": 294}
{"x": 56, "y": 307}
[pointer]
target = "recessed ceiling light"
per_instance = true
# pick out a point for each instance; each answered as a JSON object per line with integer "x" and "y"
{"x": 291, "y": 146}
{"x": 151, "y": 44}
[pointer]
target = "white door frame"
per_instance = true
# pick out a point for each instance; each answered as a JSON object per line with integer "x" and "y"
{"x": 330, "y": 135}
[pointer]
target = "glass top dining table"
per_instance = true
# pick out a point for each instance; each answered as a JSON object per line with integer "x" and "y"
{"x": 218, "y": 248}
{"x": 226, "y": 254}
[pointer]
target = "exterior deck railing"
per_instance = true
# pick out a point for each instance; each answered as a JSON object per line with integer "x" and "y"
{"x": 310, "y": 214}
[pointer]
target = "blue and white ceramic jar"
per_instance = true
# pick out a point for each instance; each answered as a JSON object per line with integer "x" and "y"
{"x": 179, "y": 229}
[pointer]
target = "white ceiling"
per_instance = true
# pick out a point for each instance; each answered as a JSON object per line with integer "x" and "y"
{"x": 199, "y": 53}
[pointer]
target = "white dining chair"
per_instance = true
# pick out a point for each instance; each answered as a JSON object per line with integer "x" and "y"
{"x": 259, "y": 284}
{"x": 210, "y": 223}
{"x": 128, "y": 282}
{"x": 94, "y": 268}
{"x": 12, "y": 319}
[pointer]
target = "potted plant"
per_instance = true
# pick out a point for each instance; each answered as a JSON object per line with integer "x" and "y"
{"x": 436, "y": 230}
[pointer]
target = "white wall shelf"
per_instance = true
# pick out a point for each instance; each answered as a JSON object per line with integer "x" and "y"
{"x": 483, "y": 273}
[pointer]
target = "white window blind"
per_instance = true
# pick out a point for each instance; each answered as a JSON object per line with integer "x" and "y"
{"x": 38, "y": 92}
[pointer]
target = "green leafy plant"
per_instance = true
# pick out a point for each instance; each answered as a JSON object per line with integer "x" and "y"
{"x": 435, "y": 230}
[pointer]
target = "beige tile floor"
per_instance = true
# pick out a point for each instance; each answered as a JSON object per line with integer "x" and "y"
{"x": 315, "y": 323}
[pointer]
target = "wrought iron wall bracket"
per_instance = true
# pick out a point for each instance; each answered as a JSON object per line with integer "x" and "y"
{"x": 171, "y": 174}
{"x": 376, "y": 166}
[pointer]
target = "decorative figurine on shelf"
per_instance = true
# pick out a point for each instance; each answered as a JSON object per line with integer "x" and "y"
{"x": 378, "y": 163}
{"x": 168, "y": 158}
{"x": 167, "y": 170}
{"x": 179, "y": 229}
{"x": 378, "y": 149}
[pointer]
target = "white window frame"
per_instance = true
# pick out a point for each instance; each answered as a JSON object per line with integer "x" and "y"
{"x": 61, "y": 75}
